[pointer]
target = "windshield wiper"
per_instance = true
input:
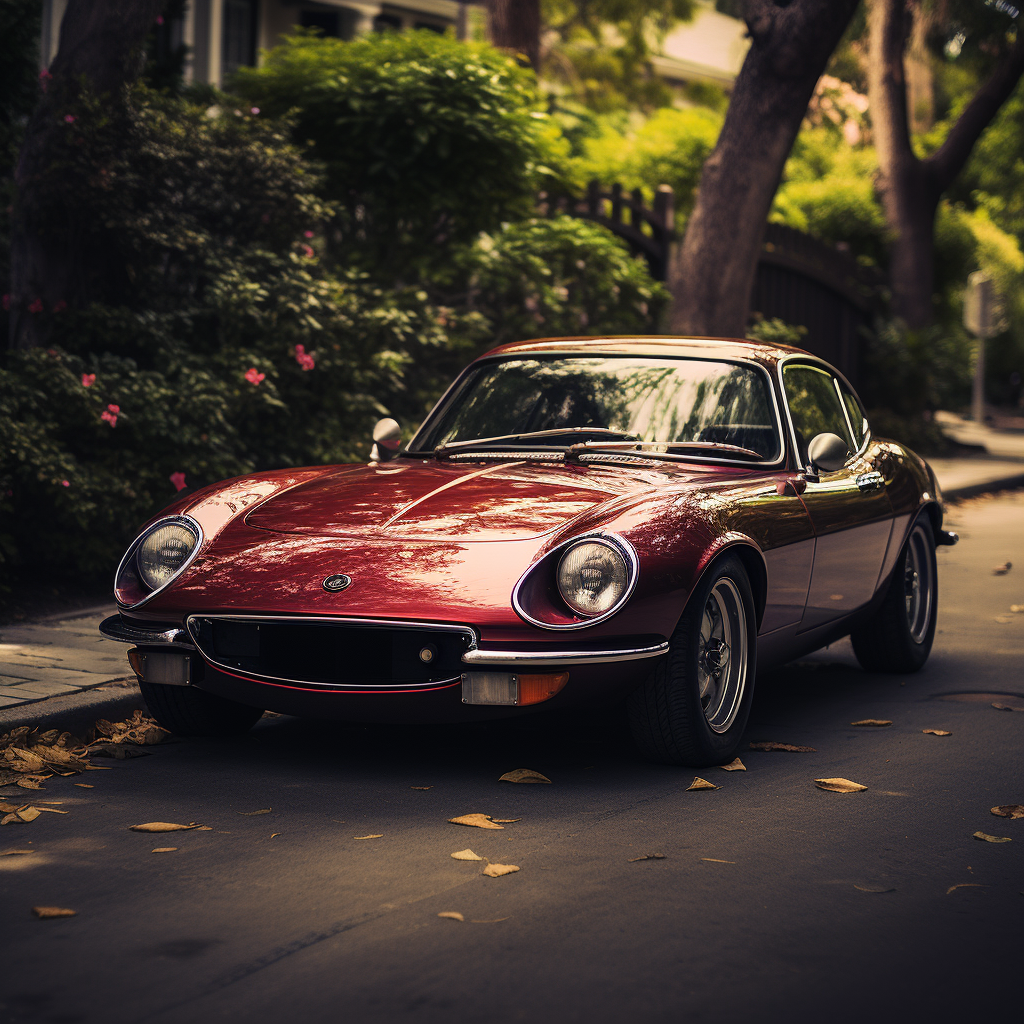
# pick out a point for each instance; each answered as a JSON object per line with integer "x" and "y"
{"x": 662, "y": 449}
{"x": 511, "y": 439}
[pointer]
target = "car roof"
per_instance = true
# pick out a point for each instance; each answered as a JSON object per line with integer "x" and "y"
{"x": 654, "y": 345}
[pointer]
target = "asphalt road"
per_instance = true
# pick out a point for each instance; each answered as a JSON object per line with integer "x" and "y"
{"x": 773, "y": 900}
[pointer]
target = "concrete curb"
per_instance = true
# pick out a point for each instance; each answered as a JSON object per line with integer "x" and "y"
{"x": 75, "y": 712}
{"x": 1003, "y": 483}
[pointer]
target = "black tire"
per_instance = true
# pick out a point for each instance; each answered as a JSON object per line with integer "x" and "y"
{"x": 898, "y": 636}
{"x": 187, "y": 711}
{"x": 670, "y": 721}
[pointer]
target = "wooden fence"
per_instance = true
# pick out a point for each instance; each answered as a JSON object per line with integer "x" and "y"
{"x": 800, "y": 279}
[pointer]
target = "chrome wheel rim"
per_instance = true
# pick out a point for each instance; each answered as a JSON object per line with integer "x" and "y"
{"x": 918, "y": 584}
{"x": 722, "y": 655}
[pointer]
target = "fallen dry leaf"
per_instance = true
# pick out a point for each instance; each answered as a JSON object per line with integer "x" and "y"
{"x": 497, "y": 870}
{"x": 24, "y": 814}
{"x": 452, "y": 915}
{"x": 466, "y": 854}
{"x": 476, "y": 820}
{"x": 166, "y": 826}
{"x": 1003, "y": 619}
{"x": 1008, "y": 707}
{"x": 1009, "y": 811}
{"x": 380, "y": 836}
{"x": 47, "y": 912}
{"x": 736, "y": 765}
{"x": 646, "y": 856}
{"x": 965, "y": 885}
{"x": 165, "y": 849}
{"x": 252, "y": 814}
{"x": 52, "y": 810}
{"x": 83, "y": 785}
{"x": 274, "y": 835}
{"x": 421, "y": 788}
{"x": 699, "y": 783}
{"x": 493, "y": 920}
{"x": 791, "y": 747}
{"x": 715, "y": 860}
{"x": 937, "y": 732}
{"x": 864, "y": 888}
{"x": 30, "y": 783}
{"x": 986, "y": 838}
{"x": 506, "y": 821}
{"x": 524, "y": 775}
{"x": 873, "y": 721}
{"x": 1002, "y": 570}
{"x": 839, "y": 785}
{"x": 16, "y": 853}
{"x": 1018, "y": 608}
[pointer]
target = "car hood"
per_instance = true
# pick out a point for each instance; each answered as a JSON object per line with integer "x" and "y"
{"x": 462, "y": 502}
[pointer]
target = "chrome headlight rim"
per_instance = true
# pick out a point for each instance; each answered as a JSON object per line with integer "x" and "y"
{"x": 189, "y": 524}
{"x": 553, "y": 558}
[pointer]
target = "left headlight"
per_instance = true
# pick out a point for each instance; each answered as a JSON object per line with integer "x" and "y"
{"x": 592, "y": 577}
{"x": 156, "y": 557}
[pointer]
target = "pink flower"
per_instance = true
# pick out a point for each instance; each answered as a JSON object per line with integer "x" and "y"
{"x": 308, "y": 251}
{"x": 178, "y": 479}
{"x": 253, "y": 376}
{"x": 88, "y": 379}
{"x": 303, "y": 358}
{"x": 35, "y": 306}
{"x": 160, "y": 21}
{"x": 69, "y": 118}
{"x": 109, "y": 415}
{"x": 44, "y": 78}
{"x": 59, "y": 306}
{"x": 65, "y": 483}
{"x": 254, "y": 110}
{"x": 308, "y": 234}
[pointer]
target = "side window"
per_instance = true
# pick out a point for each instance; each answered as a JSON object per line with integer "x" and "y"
{"x": 856, "y": 411}
{"x": 814, "y": 405}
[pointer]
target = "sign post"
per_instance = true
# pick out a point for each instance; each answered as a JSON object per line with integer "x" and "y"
{"x": 980, "y": 320}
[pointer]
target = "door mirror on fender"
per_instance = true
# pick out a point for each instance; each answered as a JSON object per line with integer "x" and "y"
{"x": 387, "y": 439}
{"x": 827, "y": 452}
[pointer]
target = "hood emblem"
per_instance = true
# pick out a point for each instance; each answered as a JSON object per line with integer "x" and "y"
{"x": 339, "y": 581}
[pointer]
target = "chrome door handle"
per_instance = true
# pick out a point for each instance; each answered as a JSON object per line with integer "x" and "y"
{"x": 872, "y": 481}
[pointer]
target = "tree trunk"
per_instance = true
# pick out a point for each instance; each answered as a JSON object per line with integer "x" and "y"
{"x": 910, "y": 188}
{"x": 100, "y": 51}
{"x": 714, "y": 272}
{"x": 515, "y": 25}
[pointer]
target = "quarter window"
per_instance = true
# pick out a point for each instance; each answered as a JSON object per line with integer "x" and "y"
{"x": 814, "y": 405}
{"x": 855, "y": 410}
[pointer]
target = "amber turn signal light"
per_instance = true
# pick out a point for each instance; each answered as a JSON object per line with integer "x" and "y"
{"x": 537, "y": 687}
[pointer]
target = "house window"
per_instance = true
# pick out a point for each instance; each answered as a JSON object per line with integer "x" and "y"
{"x": 387, "y": 23}
{"x": 431, "y": 26}
{"x": 239, "y": 35}
{"x": 326, "y": 21}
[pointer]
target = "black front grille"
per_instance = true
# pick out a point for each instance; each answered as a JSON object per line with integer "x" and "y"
{"x": 332, "y": 653}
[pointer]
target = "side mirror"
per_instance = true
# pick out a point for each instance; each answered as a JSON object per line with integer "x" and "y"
{"x": 827, "y": 452}
{"x": 387, "y": 439}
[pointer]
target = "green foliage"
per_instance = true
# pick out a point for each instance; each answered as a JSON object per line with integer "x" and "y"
{"x": 425, "y": 141}
{"x": 775, "y": 331}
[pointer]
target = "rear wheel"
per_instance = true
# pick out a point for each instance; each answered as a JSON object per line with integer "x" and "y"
{"x": 187, "y": 711}
{"x": 898, "y": 637}
{"x": 693, "y": 707}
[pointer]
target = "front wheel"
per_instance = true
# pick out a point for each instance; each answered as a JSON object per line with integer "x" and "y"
{"x": 694, "y": 705}
{"x": 187, "y": 711}
{"x": 898, "y": 636}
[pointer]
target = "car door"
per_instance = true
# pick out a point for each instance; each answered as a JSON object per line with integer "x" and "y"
{"x": 849, "y": 508}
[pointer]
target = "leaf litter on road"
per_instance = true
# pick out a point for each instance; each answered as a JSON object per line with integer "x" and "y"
{"x": 879, "y": 722}
{"x": 1002, "y": 570}
{"x": 45, "y": 913}
{"x": 965, "y": 885}
{"x": 378, "y": 836}
{"x": 735, "y": 765}
{"x": 1007, "y": 707}
{"x": 717, "y": 860}
{"x": 466, "y": 854}
{"x": 839, "y": 786}
{"x": 524, "y": 775}
{"x": 476, "y": 821}
{"x": 252, "y": 814}
{"x": 451, "y": 915}
{"x": 699, "y": 783}
{"x": 421, "y": 788}
{"x": 646, "y": 856}
{"x": 167, "y": 826}
{"x": 865, "y": 888}
{"x": 165, "y": 849}
{"x": 1009, "y": 811}
{"x": 15, "y": 853}
{"x": 937, "y": 732}
{"x": 986, "y": 838}
{"x": 790, "y": 747}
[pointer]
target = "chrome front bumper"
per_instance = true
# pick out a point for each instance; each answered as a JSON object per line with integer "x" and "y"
{"x": 115, "y": 628}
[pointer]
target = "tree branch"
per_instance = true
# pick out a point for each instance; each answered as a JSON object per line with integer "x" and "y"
{"x": 948, "y": 160}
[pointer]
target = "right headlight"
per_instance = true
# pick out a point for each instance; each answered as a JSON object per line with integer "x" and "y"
{"x": 156, "y": 557}
{"x": 592, "y": 577}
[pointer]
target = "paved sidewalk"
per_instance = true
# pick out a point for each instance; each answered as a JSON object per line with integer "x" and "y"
{"x": 61, "y": 656}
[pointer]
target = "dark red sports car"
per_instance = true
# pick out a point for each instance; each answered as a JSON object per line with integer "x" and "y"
{"x": 577, "y": 520}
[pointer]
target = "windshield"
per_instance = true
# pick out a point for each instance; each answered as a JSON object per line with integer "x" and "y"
{"x": 647, "y": 398}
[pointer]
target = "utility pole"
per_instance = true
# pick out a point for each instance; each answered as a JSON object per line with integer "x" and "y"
{"x": 980, "y": 320}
